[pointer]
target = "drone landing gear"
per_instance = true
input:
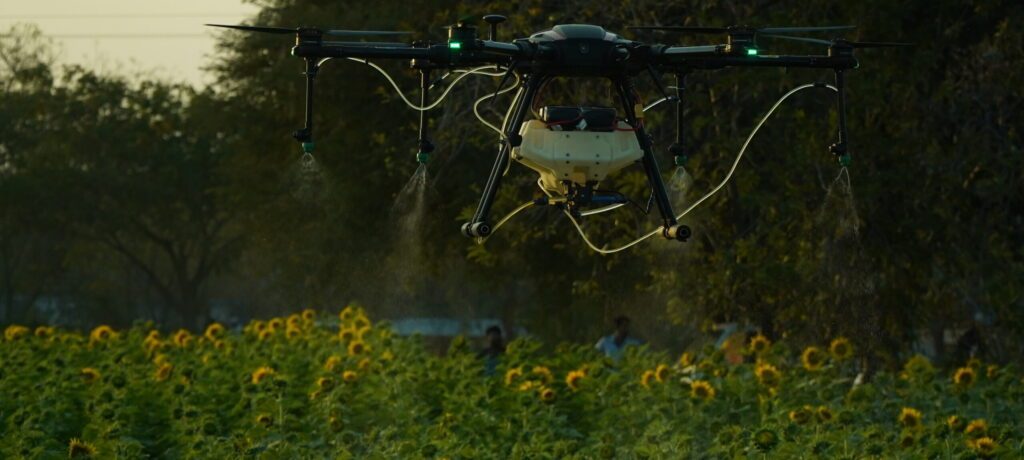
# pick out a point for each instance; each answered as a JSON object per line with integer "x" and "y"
{"x": 479, "y": 227}
{"x": 671, "y": 228}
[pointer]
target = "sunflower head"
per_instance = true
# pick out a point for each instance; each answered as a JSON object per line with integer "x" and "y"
{"x": 824, "y": 414}
{"x": 294, "y": 320}
{"x": 261, "y": 374}
{"x": 812, "y": 358}
{"x": 332, "y": 362}
{"x": 256, "y": 326}
{"x": 686, "y": 359}
{"x": 357, "y": 347}
{"x": 44, "y": 332}
{"x": 907, "y": 439}
{"x": 528, "y": 385}
{"x": 214, "y": 331}
{"x": 543, "y": 373}
{"x": 266, "y": 334}
{"x": 349, "y": 376}
{"x": 182, "y": 338}
{"x": 909, "y": 417}
{"x": 15, "y": 332}
{"x": 265, "y": 420}
{"x": 918, "y": 366}
{"x": 759, "y": 344}
{"x": 964, "y": 377}
{"x": 801, "y": 415}
{"x": 661, "y": 373}
{"x": 101, "y": 334}
{"x": 89, "y": 375}
{"x": 346, "y": 334}
{"x": 512, "y": 375}
{"x": 840, "y": 349}
{"x": 308, "y": 314}
{"x": 360, "y": 321}
{"x": 702, "y": 390}
{"x": 573, "y": 378}
{"x": 646, "y": 377}
{"x": 347, "y": 314}
{"x": 363, "y": 364}
{"x": 163, "y": 372}
{"x": 768, "y": 375}
{"x": 325, "y": 383}
{"x": 984, "y": 446}
{"x": 546, "y": 394}
{"x": 765, "y": 440}
{"x": 977, "y": 428}
{"x": 275, "y": 324}
{"x": 80, "y": 449}
{"x": 955, "y": 423}
{"x": 292, "y": 332}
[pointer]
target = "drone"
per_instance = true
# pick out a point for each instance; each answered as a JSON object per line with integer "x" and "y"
{"x": 572, "y": 148}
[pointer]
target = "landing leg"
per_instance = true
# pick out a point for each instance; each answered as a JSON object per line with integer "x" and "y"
{"x": 630, "y": 102}
{"x": 479, "y": 225}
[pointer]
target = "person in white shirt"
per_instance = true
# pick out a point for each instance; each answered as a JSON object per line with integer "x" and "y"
{"x": 613, "y": 345}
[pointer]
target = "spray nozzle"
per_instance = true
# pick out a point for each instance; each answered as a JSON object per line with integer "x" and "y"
{"x": 422, "y": 157}
{"x": 307, "y": 147}
{"x": 845, "y": 159}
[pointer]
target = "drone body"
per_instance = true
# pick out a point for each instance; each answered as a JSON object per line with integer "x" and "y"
{"x": 572, "y": 148}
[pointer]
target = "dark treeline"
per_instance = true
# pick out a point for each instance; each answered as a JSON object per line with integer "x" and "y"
{"x": 123, "y": 198}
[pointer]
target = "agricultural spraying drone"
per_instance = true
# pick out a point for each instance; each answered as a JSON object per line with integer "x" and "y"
{"x": 572, "y": 148}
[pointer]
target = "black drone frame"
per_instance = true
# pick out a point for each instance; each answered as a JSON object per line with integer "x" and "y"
{"x": 573, "y": 51}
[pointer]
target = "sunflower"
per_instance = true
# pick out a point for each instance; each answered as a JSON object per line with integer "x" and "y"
{"x": 101, "y": 333}
{"x": 765, "y": 440}
{"x": 573, "y": 378}
{"x": 955, "y": 423}
{"x": 262, "y": 373}
{"x": 976, "y": 428}
{"x": 387, "y": 355}
{"x": 309, "y": 314}
{"x": 964, "y": 377}
{"x": 182, "y": 338}
{"x": 266, "y": 333}
{"x": 812, "y": 358}
{"x": 546, "y": 394}
{"x": 918, "y": 365}
{"x": 89, "y": 374}
{"x": 349, "y": 376}
{"x": 363, "y": 364}
{"x": 163, "y": 372}
{"x": 984, "y": 446}
{"x": 824, "y": 414}
{"x": 332, "y": 362}
{"x": 294, "y": 320}
{"x": 360, "y": 321}
{"x": 701, "y": 389}
{"x": 686, "y": 359}
{"x": 292, "y": 332}
{"x": 274, "y": 324}
{"x": 907, "y": 440}
{"x": 544, "y": 373}
{"x": 768, "y": 375}
{"x": 528, "y": 385}
{"x": 840, "y": 349}
{"x": 909, "y": 417}
{"x": 346, "y": 334}
{"x": 219, "y": 344}
{"x": 325, "y": 383}
{"x": 265, "y": 419}
{"x": 512, "y": 375}
{"x": 257, "y": 326}
{"x": 357, "y": 348}
{"x": 661, "y": 373}
{"x": 801, "y": 415}
{"x": 15, "y": 332}
{"x": 214, "y": 331}
{"x": 347, "y": 314}
{"x": 759, "y": 344}
{"x": 80, "y": 449}
{"x": 646, "y": 377}
{"x": 44, "y": 332}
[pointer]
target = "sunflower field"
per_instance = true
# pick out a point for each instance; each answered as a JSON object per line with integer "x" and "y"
{"x": 316, "y": 386}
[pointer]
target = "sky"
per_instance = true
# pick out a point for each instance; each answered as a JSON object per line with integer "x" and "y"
{"x": 162, "y": 38}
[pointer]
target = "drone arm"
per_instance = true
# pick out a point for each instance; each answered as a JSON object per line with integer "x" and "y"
{"x": 670, "y": 58}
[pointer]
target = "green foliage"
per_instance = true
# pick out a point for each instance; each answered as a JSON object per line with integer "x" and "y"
{"x": 293, "y": 388}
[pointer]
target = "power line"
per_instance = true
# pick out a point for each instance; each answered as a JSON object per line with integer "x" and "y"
{"x": 119, "y": 36}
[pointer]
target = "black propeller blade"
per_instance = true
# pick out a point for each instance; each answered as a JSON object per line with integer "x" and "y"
{"x": 332, "y": 32}
{"x": 726, "y": 30}
{"x": 840, "y": 42}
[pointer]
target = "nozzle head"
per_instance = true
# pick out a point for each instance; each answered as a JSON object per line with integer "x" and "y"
{"x": 307, "y": 147}
{"x": 845, "y": 159}
{"x": 422, "y": 158}
{"x": 680, "y": 160}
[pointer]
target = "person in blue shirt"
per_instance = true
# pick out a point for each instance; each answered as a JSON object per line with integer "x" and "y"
{"x": 495, "y": 348}
{"x": 613, "y": 345}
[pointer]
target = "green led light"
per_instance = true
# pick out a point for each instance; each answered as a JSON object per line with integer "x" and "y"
{"x": 455, "y": 45}
{"x": 751, "y": 52}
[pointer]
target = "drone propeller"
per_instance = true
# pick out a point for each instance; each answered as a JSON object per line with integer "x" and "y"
{"x": 331, "y": 32}
{"x": 726, "y": 30}
{"x": 851, "y": 44}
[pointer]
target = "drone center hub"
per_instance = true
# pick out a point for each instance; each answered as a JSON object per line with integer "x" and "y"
{"x": 565, "y": 149}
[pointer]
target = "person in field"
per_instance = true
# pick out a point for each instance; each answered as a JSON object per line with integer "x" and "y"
{"x": 495, "y": 348}
{"x": 614, "y": 344}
